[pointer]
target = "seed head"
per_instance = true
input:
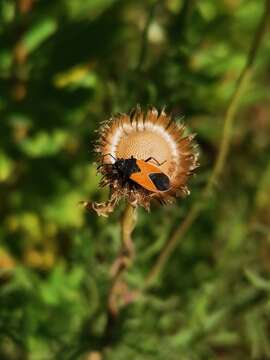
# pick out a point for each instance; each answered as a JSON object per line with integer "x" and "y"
{"x": 143, "y": 135}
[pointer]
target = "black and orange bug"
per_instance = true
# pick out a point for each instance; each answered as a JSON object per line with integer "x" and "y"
{"x": 140, "y": 172}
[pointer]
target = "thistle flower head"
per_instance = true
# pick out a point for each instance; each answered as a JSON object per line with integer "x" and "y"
{"x": 140, "y": 136}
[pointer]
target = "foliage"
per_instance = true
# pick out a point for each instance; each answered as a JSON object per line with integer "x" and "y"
{"x": 65, "y": 66}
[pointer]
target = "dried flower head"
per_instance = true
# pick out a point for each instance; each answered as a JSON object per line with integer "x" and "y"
{"x": 143, "y": 136}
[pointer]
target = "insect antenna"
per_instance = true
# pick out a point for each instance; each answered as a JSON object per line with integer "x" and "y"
{"x": 103, "y": 156}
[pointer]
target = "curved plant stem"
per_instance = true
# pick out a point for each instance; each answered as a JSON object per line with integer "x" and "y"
{"x": 119, "y": 289}
{"x": 229, "y": 119}
{"x": 184, "y": 19}
{"x": 143, "y": 48}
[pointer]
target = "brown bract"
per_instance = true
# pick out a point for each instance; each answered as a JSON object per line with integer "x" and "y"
{"x": 143, "y": 135}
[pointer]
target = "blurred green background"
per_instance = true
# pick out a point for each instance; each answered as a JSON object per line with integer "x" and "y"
{"x": 67, "y": 65}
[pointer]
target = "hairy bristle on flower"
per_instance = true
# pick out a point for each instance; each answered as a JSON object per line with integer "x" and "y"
{"x": 142, "y": 135}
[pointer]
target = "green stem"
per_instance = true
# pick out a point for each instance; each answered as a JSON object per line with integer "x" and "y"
{"x": 124, "y": 260}
{"x": 144, "y": 41}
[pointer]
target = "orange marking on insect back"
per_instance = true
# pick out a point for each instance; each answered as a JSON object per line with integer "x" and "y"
{"x": 142, "y": 177}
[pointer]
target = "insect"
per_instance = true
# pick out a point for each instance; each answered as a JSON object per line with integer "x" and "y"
{"x": 141, "y": 172}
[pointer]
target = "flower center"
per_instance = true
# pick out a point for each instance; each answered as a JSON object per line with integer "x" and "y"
{"x": 145, "y": 144}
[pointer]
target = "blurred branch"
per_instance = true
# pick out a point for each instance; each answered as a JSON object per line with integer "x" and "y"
{"x": 229, "y": 119}
{"x": 184, "y": 17}
{"x": 143, "y": 48}
{"x": 23, "y": 7}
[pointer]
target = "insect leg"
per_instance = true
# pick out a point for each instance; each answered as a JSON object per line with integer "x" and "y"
{"x": 157, "y": 162}
{"x": 103, "y": 156}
